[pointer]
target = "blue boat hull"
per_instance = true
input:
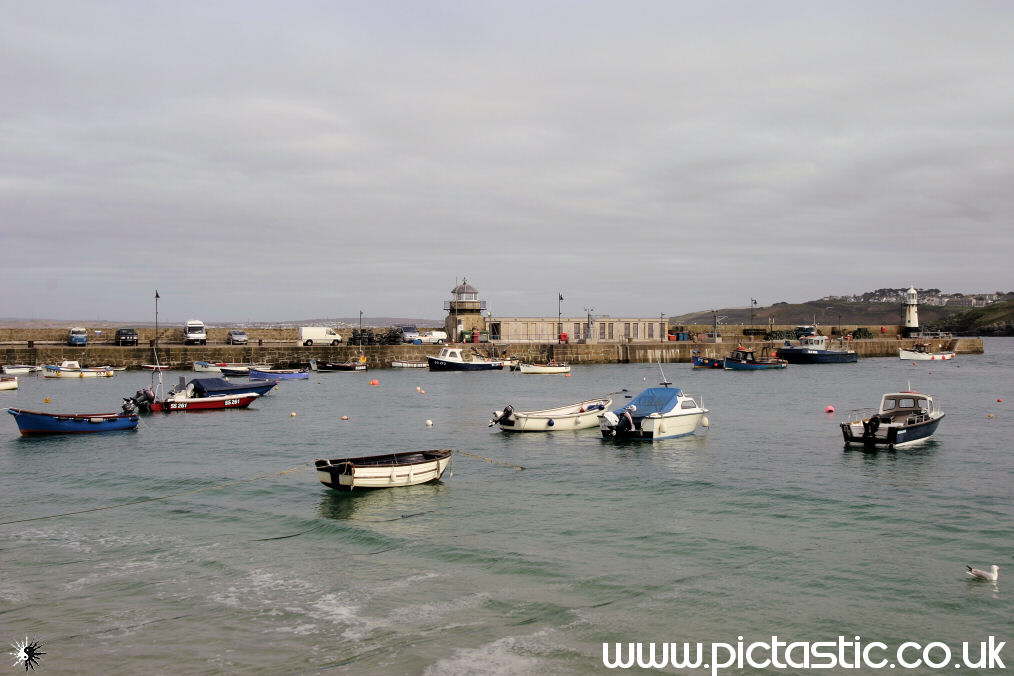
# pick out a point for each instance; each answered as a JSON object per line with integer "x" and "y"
{"x": 35, "y": 423}
{"x": 707, "y": 363}
{"x": 895, "y": 437}
{"x": 732, "y": 365}
{"x": 801, "y": 355}
{"x": 261, "y": 375}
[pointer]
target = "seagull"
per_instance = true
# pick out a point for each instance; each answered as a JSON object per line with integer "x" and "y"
{"x": 991, "y": 576}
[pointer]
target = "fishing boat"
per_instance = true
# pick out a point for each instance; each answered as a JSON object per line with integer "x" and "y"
{"x": 579, "y": 416}
{"x": 407, "y": 364}
{"x": 383, "y": 471}
{"x": 742, "y": 359}
{"x": 235, "y": 367}
{"x": 37, "y": 423}
{"x": 72, "y": 369}
{"x": 8, "y": 382}
{"x": 920, "y": 352}
{"x": 814, "y": 350}
{"x": 20, "y": 369}
{"x": 328, "y": 366}
{"x": 903, "y": 418}
{"x": 451, "y": 359}
{"x": 548, "y": 367}
{"x": 190, "y": 399}
{"x": 656, "y": 413}
{"x": 279, "y": 374}
{"x": 700, "y": 362}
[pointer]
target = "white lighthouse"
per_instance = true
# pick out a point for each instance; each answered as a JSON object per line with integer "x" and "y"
{"x": 910, "y": 312}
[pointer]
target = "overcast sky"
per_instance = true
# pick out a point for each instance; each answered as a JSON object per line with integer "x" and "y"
{"x": 285, "y": 160}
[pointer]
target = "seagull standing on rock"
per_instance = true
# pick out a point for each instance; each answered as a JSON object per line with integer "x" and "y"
{"x": 991, "y": 576}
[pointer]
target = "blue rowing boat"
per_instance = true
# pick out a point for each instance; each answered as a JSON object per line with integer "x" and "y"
{"x": 279, "y": 374}
{"x": 36, "y": 423}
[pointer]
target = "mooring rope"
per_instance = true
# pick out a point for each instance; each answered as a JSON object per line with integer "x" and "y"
{"x": 296, "y": 468}
{"x": 482, "y": 457}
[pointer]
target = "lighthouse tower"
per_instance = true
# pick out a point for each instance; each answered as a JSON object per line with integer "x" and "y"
{"x": 464, "y": 311}
{"x": 910, "y": 313}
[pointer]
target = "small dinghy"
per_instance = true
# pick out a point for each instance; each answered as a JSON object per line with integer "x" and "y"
{"x": 32, "y": 423}
{"x": 279, "y": 374}
{"x": 579, "y": 416}
{"x": 920, "y": 352}
{"x": 383, "y": 471}
{"x": 903, "y": 418}
{"x": 548, "y": 367}
{"x": 8, "y": 382}
{"x": 220, "y": 366}
{"x": 404, "y": 364}
{"x": 20, "y": 369}
{"x": 329, "y": 366}
{"x": 72, "y": 369}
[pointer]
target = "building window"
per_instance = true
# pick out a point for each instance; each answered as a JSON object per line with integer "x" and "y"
{"x": 584, "y": 330}
{"x": 602, "y": 331}
{"x": 636, "y": 327}
{"x": 577, "y": 329}
{"x": 651, "y": 330}
{"x": 610, "y": 330}
{"x": 626, "y": 329}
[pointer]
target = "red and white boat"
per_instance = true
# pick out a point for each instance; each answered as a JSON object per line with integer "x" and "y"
{"x": 921, "y": 352}
{"x": 185, "y": 400}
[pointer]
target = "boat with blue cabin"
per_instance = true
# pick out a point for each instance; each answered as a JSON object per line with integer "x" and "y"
{"x": 902, "y": 419}
{"x": 656, "y": 413}
{"x": 742, "y": 359}
{"x": 34, "y": 423}
{"x": 814, "y": 350}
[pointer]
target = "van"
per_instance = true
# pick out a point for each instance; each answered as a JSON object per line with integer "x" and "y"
{"x": 433, "y": 338}
{"x": 194, "y": 333}
{"x": 77, "y": 337}
{"x": 318, "y": 335}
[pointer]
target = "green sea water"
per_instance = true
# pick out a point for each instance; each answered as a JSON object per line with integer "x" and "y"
{"x": 760, "y": 525}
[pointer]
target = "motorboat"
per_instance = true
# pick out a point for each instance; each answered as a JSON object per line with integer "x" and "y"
{"x": 383, "y": 471}
{"x": 235, "y": 367}
{"x": 579, "y": 416}
{"x": 702, "y": 362}
{"x": 451, "y": 359}
{"x": 212, "y": 387}
{"x": 8, "y": 382}
{"x": 33, "y": 423}
{"x": 548, "y": 367}
{"x": 408, "y": 364}
{"x": 279, "y": 374}
{"x": 742, "y": 359}
{"x": 656, "y": 413}
{"x": 814, "y": 350}
{"x": 921, "y": 352}
{"x": 72, "y": 369}
{"x": 903, "y": 418}
{"x": 20, "y": 369}
{"x": 190, "y": 398}
{"x": 328, "y": 366}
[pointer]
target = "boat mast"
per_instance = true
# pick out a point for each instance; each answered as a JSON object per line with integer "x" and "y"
{"x": 665, "y": 382}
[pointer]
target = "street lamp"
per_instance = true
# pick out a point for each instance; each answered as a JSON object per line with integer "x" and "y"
{"x": 588, "y": 327}
{"x": 753, "y": 306}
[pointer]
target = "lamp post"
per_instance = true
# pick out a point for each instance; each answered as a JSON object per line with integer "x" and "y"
{"x": 753, "y": 306}
{"x": 559, "y": 317}
{"x": 588, "y": 328}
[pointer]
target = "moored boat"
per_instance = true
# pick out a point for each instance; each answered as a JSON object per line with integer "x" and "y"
{"x": 8, "y": 382}
{"x": 234, "y": 367}
{"x": 279, "y": 374}
{"x": 156, "y": 367}
{"x": 38, "y": 423}
{"x": 656, "y": 413}
{"x": 579, "y": 416}
{"x": 920, "y": 352}
{"x": 20, "y": 369}
{"x": 814, "y": 350}
{"x": 548, "y": 367}
{"x": 211, "y": 387}
{"x": 742, "y": 359}
{"x": 701, "y": 362}
{"x": 903, "y": 418}
{"x": 328, "y": 366}
{"x": 190, "y": 399}
{"x": 451, "y": 359}
{"x": 408, "y": 364}
{"x": 72, "y": 369}
{"x": 383, "y": 471}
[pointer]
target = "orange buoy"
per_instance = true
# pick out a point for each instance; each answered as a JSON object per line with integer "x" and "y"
{"x": 829, "y": 409}
{"x": 374, "y": 382}
{"x": 345, "y": 417}
{"x": 999, "y": 401}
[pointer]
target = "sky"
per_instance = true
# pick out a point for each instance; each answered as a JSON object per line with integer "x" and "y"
{"x": 282, "y": 160}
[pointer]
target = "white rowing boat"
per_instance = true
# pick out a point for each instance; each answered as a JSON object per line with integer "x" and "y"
{"x": 579, "y": 416}
{"x": 8, "y": 382}
{"x": 548, "y": 367}
{"x": 383, "y": 471}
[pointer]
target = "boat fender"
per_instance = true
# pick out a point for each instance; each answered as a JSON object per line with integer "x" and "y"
{"x": 705, "y": 421}
{"x": 550, "y": 423}
{"x": 97, "y": 420}
{"x": 581, "y": 410}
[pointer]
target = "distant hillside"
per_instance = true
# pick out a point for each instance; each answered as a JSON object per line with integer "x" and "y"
{"x": 823, "y": 312}
{"x": 992, "y": 320}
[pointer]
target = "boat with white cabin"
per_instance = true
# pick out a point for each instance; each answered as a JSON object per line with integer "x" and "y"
{"x": 451, "y": 359}
{"x": 656, "y": 413}
{"x": 579, "y": 416}
{"x": 903, "y": 418}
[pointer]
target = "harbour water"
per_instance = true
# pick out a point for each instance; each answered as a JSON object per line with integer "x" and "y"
{"x": 761, "y": 525}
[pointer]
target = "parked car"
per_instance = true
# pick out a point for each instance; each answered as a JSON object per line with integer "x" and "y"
{"x": 319, "y": 335}
{"x": 194, "y": 333}
{"x": 237, "y": 337}
{"x": 409, "y": 333}
{"x": 77, "y": 337}
{"x": 125, "y": 337}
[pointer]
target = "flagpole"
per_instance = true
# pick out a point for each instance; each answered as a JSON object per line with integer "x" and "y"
{"x": 156, "y": 321}
{"x": 559, "y": 316}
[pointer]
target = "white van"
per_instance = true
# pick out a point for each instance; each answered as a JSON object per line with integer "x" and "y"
{"x": 194, "y": 333}
{"x": 318, "y": 335}
{"x": 433, "y": 338}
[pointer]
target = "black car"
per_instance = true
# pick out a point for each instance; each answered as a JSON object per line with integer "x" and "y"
{"x": 126, "y": 337}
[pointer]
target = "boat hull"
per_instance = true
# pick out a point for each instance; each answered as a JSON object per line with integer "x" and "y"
{"x": 733, "y": 365}
{"x": 34, "y": 423}
{"x": 202, "y": 403}
{"x": 20, "y": 369}
{"x": 437, "y": 364}
{"x": 10, "y": 383}
{"x": 804, "y": 355}
{"x": 408, "y": 364}
{"x": 924, "y": 356}
{"x": 708, "y": 363}
{"x": 383, "y": 471}
{"x": 895, "y": 437}
{"x": 543, "y": 369}
{"x": 662, "y": 427}
{"x": 58, "y": 372}
{"x": 278, "y": 375}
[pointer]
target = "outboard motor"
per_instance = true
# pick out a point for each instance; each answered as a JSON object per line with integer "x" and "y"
{"x": 608, "y": 422}
{"x": 143, "y": 399}
{"x": 502, "y": 417}
{"x": 129, "y": 405}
